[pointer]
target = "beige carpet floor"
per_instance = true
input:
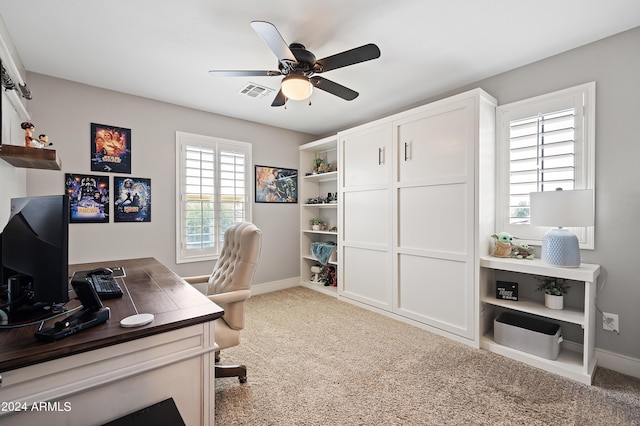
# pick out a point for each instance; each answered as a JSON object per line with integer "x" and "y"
{"x": 314, "y": 360}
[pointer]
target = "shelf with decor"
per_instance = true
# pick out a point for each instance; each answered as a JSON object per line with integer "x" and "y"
{"x": 317, "y": 194}
{"x": 31, "y": 158}
{"x": 576, "y": 360}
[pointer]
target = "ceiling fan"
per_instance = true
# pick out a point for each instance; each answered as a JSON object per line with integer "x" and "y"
{"x": 299, "y": 66}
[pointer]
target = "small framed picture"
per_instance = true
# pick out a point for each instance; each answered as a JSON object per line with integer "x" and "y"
{"x": 132, "y": 199}
{"x": 276, "y": 185}
{"x": 110, "y": 149}
{"x": 506, "y": 290}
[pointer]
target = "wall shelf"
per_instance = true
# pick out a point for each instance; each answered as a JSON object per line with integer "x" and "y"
{"x": 30, "y": 158}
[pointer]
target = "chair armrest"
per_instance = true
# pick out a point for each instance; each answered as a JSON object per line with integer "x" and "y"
{"x": 230, "y": 297}
{"x": 197, "y": 279}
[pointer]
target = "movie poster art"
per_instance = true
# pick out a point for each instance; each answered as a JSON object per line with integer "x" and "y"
{"x": 132, "y": 200}
{"x": 88, "y": 198}
{"x": 110, "y": 149}
{"x": 276, "y": 185}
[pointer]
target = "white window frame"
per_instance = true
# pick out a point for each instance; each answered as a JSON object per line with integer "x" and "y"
{"x": 184, "y": 140}
{"x": 583, "y": 99}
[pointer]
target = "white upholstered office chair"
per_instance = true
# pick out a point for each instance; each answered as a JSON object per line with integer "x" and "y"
{"x": 229, "y": 287}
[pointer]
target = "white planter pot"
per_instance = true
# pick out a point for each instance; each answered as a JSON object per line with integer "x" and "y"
{"x": 553, "y": 302}
{"x": 315, "y": 227}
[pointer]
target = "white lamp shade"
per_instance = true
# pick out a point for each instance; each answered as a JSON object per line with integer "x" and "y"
{"x": 296, "y": 87}
{"x": 562, "y": 208}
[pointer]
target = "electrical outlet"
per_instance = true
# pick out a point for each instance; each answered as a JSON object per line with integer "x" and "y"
{"x": 610, "y": 322}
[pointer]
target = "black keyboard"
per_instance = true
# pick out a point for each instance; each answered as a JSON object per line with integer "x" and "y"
{"x": 106, "y": 286}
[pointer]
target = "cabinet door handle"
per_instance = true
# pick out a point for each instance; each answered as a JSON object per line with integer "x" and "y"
{"x": 379, "y": 156}
{"x": 406, "y": 151}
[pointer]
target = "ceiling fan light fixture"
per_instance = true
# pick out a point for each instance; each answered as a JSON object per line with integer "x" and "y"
{"x": 296, "y": 87}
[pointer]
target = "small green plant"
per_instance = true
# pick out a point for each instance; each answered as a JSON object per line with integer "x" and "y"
{"x": 316, "y": 221}
{"x": 553, "y": 286}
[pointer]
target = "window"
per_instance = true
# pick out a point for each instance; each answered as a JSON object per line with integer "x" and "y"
{"x": 212, "y": 185}
{"x": 544, "y": 143}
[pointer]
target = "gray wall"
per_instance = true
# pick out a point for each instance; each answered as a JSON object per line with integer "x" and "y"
{"x": 64, "y": 110}
{"x": 614, "y": 64}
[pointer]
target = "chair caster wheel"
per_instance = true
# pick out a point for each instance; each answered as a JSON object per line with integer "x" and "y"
{"x": 242, "y": 379}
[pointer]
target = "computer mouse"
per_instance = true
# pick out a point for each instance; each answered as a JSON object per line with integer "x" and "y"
{"x": 100, "y": 271}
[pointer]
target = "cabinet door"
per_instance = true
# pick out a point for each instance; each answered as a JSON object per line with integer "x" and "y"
{"x": 435, "y": 145}
{"x": 366, "y": 156}
{"x": 435, "y": 209}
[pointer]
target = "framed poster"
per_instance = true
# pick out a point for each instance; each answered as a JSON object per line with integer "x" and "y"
{"x": 276, "y": 185}
{"x": 132, "y": 199}
{"x": 110, "y": 149}
{"x": 88, "y": 198}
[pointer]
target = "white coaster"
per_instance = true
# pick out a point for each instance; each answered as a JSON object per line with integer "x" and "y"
{"x": 137, "y": 320}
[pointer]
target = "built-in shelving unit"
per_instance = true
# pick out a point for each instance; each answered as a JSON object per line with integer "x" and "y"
{"x": 576, "y": 361}
{"x": 31, "y": 158}
{"x": 312, "y": 186}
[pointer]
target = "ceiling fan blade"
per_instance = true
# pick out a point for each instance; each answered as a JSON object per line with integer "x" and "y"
{"x": 333, "y": 88}
{"x": 269, "y": 33}
{"x": 348, "y": 57}
{"x": 248, "y": 73}
{"x": 279, "y": 100}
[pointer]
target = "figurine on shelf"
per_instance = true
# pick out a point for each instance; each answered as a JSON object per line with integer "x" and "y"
{"x": 28, "y": 128}
{"x": 503, "y": 244}
{"x": 44, "y": 141}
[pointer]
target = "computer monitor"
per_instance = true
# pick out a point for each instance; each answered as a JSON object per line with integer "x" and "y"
{"x": 35, "y": 256}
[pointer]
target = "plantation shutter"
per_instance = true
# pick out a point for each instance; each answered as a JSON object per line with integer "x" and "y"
{"x": 542, "y": 157}
{"x": 212, "y": 177}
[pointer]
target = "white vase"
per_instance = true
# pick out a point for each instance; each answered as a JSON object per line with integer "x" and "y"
{"x": 315, "y": 227}
{"x": 553, "y": 302}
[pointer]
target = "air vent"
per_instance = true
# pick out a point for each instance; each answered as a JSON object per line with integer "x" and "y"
{"x": 255, "y": 91}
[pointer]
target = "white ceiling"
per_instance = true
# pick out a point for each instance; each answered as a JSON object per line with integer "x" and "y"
{"x": 164, "y": 49}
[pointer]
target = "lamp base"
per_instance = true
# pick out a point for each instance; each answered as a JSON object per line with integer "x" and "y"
{"x": 560, "y": 248}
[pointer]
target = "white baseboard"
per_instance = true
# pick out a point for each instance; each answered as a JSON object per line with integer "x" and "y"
{"x": 620, "y": 363}
{"x": 275, "y": 285}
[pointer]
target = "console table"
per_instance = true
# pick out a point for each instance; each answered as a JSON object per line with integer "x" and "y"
{"x": 107, "y": 371}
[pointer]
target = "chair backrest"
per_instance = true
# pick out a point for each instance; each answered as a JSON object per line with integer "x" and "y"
{"x": 236, "y": 265}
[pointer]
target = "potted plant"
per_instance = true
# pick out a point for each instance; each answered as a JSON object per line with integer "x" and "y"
{"x": 554, "y": 290}
{"x": 316, "y": 222}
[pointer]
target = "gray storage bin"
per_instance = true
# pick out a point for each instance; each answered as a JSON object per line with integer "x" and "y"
{"x": 535, "y": 336}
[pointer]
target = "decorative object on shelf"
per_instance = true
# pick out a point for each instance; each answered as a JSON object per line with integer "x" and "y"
{"x": 523, "y": 251}
{"x": 503, "y": 244}
{"x": 276, "y": 185}
{"x": 315, "y": 270}
{"x": 110, "y": 149}
{"x": 132, "y": 201}
{"x": 44, "y": 141}
{"x": 28, "y": 128}
{"x": 554, "y": 290}
{"x": 506, "y": 290}
{"x": 316, "y": 223}
{"x": 559, "y": 208}
{"x": 88, "y": 198}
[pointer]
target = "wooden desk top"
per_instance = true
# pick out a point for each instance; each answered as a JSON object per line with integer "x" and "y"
{"x": 154, "y": 288}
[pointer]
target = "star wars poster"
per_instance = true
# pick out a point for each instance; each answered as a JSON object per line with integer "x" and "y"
{"x": 88, "y": 198}
{"x": 110, "y": 149}
{"x": 132, "y": 201}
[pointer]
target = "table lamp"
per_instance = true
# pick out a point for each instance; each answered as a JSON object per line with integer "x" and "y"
{"x": 561, "y": 208}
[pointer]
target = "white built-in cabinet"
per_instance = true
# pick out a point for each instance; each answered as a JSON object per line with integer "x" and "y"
{"x": 416, "y": 210}
{"x": 313, "y": 186}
